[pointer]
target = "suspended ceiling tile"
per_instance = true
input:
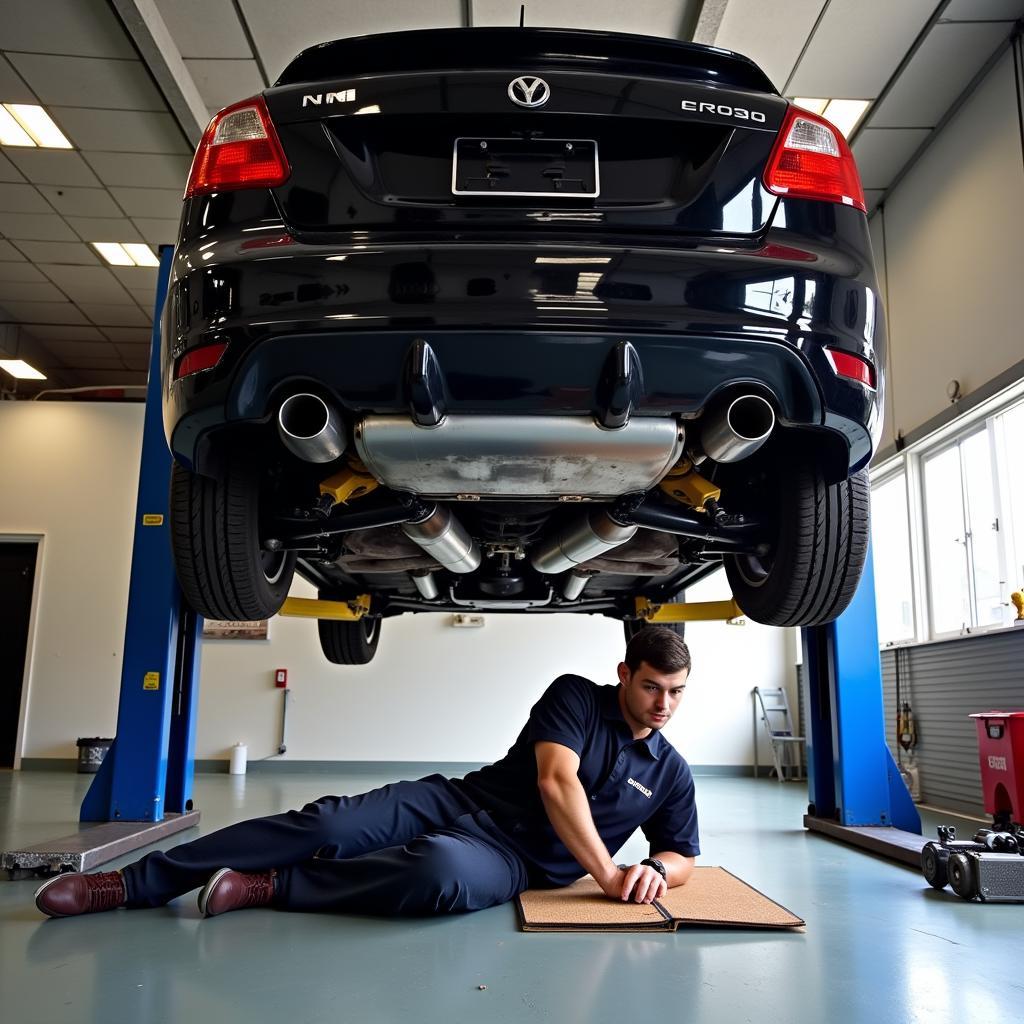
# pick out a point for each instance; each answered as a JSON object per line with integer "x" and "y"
{"x": 145, "y": 297}
{"x": 52, "y": 167}
{"x": 88, "y": 82}
{"x": 857, "y": 46}
{"x": 141, "y": 169}
{"x": 204, "y": 28}
{"x": 8, "y": 252}
{"x": 29, "y": 291}
{"x": 36, "y": 227}
{"x": 129, "y": 335}
{"x": 59, "y": 252}
{"x": 984, "y": 10}
{"x": 108, "y": 363}
{"x": 881, "y": 153}
{"x": 948, "y": 59}
{"x": 78, "y": 332}
{"x": 81, "y": 202}
{"x": 114, "y": 315}
{"x": 136, "y": 360}
{"x": 221, "y": 82}
{"x": 157, "y": 232}
{"x": 142, "y": 278}
{"x": 104, "y": 229}
{"x": 18, "y": 198}
{"x": 754, "y": 28}
{"x": 164, "y": 203}
{"x": 10, "y": 271}
{"x": 121, "y": 131}
{"x": 45, "y": 313}
{"x": 64, "y": 26}
{"x": 87, "y": 284}
{"x": 651, "y": 17}
{"x": 12, "y": 88}
{"x": 280, "y": 35}
{"x": 8, "y": 172}
{"x": 70, "y": 352}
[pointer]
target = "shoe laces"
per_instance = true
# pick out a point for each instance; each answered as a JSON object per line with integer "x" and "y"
{"x": 106, "y": 890}
{"x": 259, "y": 889}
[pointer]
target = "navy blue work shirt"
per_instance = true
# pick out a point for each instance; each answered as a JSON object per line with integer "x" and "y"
{"x": 631, "y": 783}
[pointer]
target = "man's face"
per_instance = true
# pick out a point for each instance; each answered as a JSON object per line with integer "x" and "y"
{"x": 650, "y": 697}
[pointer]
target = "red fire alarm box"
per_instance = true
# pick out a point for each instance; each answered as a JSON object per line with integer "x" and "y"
{"x": 281, "y": 677}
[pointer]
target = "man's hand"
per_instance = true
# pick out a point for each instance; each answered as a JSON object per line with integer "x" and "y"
{"x": 637, "y": 884}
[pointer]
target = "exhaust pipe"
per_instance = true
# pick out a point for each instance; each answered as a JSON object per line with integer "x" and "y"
{"x": 580, "y": 541}
{"x": 311, "y": 429}
{"x": 736, "y": 430}
{"x": 445, "y": 539}
{"x": 574, "y": 583}
{"x": 424, "y": 582}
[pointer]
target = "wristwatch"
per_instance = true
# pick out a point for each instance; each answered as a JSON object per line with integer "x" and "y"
{"x": 657, "y": 865}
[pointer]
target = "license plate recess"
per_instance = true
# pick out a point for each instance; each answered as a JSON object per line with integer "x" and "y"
{"x": 547, "y": 168}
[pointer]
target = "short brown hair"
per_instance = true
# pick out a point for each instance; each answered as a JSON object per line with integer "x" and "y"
{"x": 663, "y": 649}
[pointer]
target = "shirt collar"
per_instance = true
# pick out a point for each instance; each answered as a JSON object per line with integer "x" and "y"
{"x": 613, "y": 713}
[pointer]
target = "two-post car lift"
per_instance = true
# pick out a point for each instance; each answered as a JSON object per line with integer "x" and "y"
{"x": 143, "y": 790}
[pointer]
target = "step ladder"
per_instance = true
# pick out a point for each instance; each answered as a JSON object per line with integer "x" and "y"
{"x": 771, "y": 706}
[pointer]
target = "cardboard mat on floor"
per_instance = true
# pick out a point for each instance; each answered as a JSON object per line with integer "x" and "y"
{"x": 712, "y": 897}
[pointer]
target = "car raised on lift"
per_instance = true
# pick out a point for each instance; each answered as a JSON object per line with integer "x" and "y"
{"x": 525, "y": 320}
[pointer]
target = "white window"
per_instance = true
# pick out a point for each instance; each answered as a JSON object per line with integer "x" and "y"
{"x": 890, "y": 541}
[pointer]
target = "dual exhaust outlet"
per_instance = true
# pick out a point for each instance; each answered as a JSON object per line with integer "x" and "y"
{"x": 315, "y": 432}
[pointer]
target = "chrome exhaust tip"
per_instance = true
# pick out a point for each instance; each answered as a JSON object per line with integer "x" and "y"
{"x": 311, "y": 429}
{"x": 735, "y": 430}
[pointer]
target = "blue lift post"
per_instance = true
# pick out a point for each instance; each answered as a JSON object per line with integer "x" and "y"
{"x": 147, "y": 774}
{"x": 856, "y": 791}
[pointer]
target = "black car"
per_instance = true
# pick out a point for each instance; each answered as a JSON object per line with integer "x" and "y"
{"x": 525, "y": 320}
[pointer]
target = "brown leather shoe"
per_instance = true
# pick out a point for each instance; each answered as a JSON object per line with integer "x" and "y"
{"x": 76, "y": 893}
{"x": 233, "y": 890}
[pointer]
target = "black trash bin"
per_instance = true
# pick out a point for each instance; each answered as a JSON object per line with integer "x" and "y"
{"x": 91, "y": 752}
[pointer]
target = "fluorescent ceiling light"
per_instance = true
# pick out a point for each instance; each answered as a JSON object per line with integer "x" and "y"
{"x": 846, "y": 114}
{"x": 11, "y": 133}
{"x": 141, "y": 253}
{"x": 20, "y": 369}
{"x": 814, "y": 106}
{"x": 37, "y": 127}
{"x": 126, "y": 254}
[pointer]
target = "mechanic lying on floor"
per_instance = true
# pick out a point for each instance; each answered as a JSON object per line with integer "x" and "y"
{"x": 588, "y": 768}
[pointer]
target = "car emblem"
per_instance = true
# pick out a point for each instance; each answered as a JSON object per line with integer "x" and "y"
{"x": 529, "y": 92}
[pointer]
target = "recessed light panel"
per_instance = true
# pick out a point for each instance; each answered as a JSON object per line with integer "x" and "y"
{"x": 141, "y": 253}
{"x": 126, "y": 254}
{"x": 20, "y": 369}
{"x": 25, "y": 124}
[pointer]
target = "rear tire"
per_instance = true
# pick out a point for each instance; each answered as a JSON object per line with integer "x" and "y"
{"x": 349, "y": 643}
{"x": 817, "y": 554}
{"x": 961, "y": 876}
{"x": 222, "y": 569}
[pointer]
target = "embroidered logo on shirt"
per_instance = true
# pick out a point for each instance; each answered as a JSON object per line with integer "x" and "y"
{"x": 643, "y": 789}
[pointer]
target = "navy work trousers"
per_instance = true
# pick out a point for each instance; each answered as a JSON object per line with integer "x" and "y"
{"x": 408, "y": 848}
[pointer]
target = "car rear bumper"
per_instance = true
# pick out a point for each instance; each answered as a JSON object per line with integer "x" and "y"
{"x": 518, "y": 329}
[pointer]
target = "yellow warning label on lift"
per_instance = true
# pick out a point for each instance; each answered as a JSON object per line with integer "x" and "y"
{"x": 152, "y": 520}
{"x": 151, "y": 681}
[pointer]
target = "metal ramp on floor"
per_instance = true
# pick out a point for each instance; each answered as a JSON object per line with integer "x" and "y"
{"x": 771, "y": 707}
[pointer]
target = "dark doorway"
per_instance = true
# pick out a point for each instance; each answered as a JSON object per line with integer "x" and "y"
{"x": 17, "y": 572}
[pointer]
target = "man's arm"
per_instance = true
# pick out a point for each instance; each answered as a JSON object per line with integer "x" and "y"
{"x": 677, "y": 867}
{"x": 568, "y": 810}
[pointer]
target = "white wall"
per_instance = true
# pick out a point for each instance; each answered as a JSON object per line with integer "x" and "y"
{"x": 70, "y": 473}
{"x": 954, "y": 239}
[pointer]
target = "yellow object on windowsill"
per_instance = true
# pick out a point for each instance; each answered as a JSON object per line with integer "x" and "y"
{"x": 1017, "y": 598}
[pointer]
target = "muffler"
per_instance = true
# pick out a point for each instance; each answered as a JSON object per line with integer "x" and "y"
{"x": 445, "y": 539}
{"x": 583, "y": 539}
{"x": 736, "y": 429}
{"x": 311, "y": 429}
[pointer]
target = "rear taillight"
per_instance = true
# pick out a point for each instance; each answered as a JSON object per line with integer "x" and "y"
{"x": 205, "y": 357}
{"x": 811, "y": 160}
{"x": 239, "y": 149}
{"x": 850, "y": 366}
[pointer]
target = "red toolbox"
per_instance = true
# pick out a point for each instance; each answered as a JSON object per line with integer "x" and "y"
{"x": 1001, "y": 750}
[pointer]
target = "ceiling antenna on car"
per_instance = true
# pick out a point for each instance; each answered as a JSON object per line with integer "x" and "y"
{"x": 522, "y": 14}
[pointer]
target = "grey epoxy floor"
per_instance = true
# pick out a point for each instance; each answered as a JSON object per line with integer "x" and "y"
{"x": 879, "y": 945}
